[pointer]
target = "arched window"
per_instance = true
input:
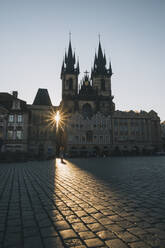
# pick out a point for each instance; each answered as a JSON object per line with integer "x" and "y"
{"x": 70, "y": 81}
{"x": 87, "y": 110}
{"x": 102, "y": 84}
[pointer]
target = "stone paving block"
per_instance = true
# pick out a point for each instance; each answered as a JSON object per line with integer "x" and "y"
{"x": 87, "y": 235}
{"x": 105, "y": 221}
{"x": 97, "y": 215}
{"x": 94, "y": 242}
{"x": 31, "y": 231}
{"x": 67, "y": 212}
{"x": 61, "y": 225}
{"x": 67, "y": 234}
{"x": 28, "y": 223}
{"x": 72, "y": 242}
{"x": 72, "y": 219}
{"x": 13, "y": 239}
{"x": 114, "y": 228}
{"x": 107, "y": 212}
{"x": 139, "y": 244}
{"x": 79, "y": 227}
{"x": 105, "y": 235}
{"x": 88, "y": 220}
{"x": 136, "y": 230}
{"x": 126, "y": 224}
{"x": 52, "y": 242}
{"x": 96, "y": 227}
{"x": 44, "y": 223}
{"x": 56, "y": 218}
{"x": 80, "y": 246}
{"x": 33, "y": 242}
{"x": 81, "y": 213}
{"x": 127, "y": 237}
{"x": 13, "y": 229}
{"x": 48, "y": 232}
{"x": 116, "y": 243}
{"x": 115, "y": 218}
{"x": 91, "y": 210}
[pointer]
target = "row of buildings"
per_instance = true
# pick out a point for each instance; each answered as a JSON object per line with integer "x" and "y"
{"x": 91, "y": 125}
{"x": 26, "y": 128}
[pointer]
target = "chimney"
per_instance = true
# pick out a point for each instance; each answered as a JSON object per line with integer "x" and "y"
{"x": 15, "y": 94}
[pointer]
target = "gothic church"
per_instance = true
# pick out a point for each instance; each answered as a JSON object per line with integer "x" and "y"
{"x": 89, "y": 104}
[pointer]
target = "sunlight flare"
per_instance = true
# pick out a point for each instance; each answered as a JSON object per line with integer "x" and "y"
{"x": 57, "y": 119}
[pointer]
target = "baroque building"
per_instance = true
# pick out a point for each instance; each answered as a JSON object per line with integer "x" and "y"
{"x": 13, "y": 123}
{"x": 93, "y": 125}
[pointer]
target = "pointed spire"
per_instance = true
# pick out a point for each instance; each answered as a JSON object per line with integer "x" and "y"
{"x": 100, "y": 53}
{"x": 74, "y": 59}
{"x": 70, "y": 50}
{"x": 78, "y": 67}
{"x": 65, "y": 58}
{"x": 62, "y": 68}
{"x": 100, "y": 62}
{"x": 104, "y": 58}
{"x": 110, "y": 69}
{"x": 69, "y": 62}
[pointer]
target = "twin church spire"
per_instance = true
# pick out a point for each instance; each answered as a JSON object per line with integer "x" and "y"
{"x": 99, "y": 67}
{"x": 69, "y": 65}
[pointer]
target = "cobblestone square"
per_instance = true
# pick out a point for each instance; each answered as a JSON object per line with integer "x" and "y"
{"x": 95, "y": 202}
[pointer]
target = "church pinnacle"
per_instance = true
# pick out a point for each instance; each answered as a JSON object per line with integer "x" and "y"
{"x": 99, "y": 67}
{"x": 68, "y": 65}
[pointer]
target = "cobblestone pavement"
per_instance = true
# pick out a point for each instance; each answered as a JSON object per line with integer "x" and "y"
{"x": 112, "y": 202}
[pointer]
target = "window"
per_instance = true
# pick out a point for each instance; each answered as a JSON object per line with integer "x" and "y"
{"x": 11, "y": 118}
{"x": 89, "y": 136}
{"x": 102, "y": 84}
{"x": 83, "y": 139}
{"x": 19, "y": 134}
{"x": 101, "y": 139}
{"x": 19, "y": 118}
{"x": 10, "y": 134}
{"x": 87, "y": 110}
{"x": 70, "y": 82}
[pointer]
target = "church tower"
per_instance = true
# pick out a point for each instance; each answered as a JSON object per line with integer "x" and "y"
{"x": 101, "y": 76}
{"x": 69, "y": 75}
{"x": 101, "y": 81}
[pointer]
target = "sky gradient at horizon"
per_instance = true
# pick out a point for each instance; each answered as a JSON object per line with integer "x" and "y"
{"x": 35, "y": 33}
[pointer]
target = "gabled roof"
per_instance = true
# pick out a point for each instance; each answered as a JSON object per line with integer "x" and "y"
{"x": 42, "y": 98}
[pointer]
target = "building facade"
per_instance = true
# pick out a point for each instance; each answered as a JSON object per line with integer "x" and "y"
{"x": 41, "y": 132}
{"x": 14, "y": 123}
{"x": 93, "y": 125}
{"x": 136, "y": 132}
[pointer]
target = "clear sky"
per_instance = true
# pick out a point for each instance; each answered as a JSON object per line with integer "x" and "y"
{"x": 35, "y": 33}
